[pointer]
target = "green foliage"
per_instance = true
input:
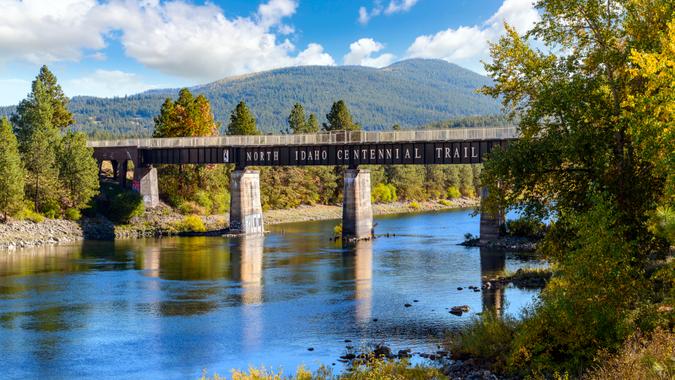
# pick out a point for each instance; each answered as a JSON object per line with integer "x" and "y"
{"x": 119, "y": 204}
{"x": 296, "y": 120}
{"x": 28, "y": 214}
{"x": 453, "y": 192}
{"x": 663, "y": 223}
{"x": 191, "y": 223}
{"x": 11, "y": 171}
{"x": 446, "y": 202}
{"x": 186, "y": 117}
{"x": 339, "y": 118}
{"x": 411, "y": 93}
{"x": 383, "y": 193}
{"x": 73, "y": 214}
{"x": 337, "y": 230}
{"x": 242, "y": 121}
{"x": 414, "y": 205}
{"x": 312, "y": 124}
{"x": 526, "y": 226}
{"x": 78, "y": 170}
{"x": 487, "y": 337}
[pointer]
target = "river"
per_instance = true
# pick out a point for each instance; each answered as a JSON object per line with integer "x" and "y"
{"x": 171, "y": 308}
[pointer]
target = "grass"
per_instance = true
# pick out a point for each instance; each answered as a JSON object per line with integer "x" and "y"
{"x": 487, "y": 338}
{"x": 375, "y": 369}
{"x": 642, "y": 356}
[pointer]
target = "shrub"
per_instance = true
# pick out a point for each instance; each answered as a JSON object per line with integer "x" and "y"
{"x": 468, "y": 191}
{"x": 453, "y": 192}
{"x": 337, "y": 230}
{"x": 445, "y": 202}
{"x": 73, "y": 214}
{"x": 203, "y": 199}
{"x": 190, "y": 208}
{"x": 29, "y": 214}
{"x": 415, "y": 206}
{"x": 119, "y": 204}
{"x": 488, "y": 337}
{"x": 220, "y": 202}
{"x": 192, "y": 223}
{"x": 526, "y": 226}
{"x": 51, "y": 209}
{"x": 383, "y": 193}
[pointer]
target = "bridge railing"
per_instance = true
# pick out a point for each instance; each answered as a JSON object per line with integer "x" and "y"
{"x": 324, "y": 138}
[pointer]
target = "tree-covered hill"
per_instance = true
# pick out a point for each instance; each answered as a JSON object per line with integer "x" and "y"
{"x": 410, "y": 93}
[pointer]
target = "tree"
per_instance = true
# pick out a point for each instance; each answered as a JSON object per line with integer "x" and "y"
{"x": 11, "y": 171}
{"x": 24, "y": 117}
{"x": 339, "y": 118}
{"x": 78, "y": 170}
{"x": 39, "y": 140}
{"x": 596, "y": 154}
{"x": 242, "y": 121}
{"x": 296, "y": 120}
{"x": 312, "y": 124}
{"x": 186, "y": 117}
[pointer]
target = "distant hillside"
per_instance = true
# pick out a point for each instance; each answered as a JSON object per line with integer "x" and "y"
{"x": 410, "y": 93}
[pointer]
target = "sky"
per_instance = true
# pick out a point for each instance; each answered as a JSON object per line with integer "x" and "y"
{"x": 121, "y": 47}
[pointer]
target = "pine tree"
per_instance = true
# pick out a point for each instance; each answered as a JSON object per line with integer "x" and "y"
{"x": 11, "y": 171}
{"x": 38, "y": 141}
{"x": 242, "y": 121}
{"x": 339, "y": 118}
{"x": 312, "y": 124}
{"x": 296, "y": 120}
{"x": 78, "y": 170}
{"x": 24, "y": 117}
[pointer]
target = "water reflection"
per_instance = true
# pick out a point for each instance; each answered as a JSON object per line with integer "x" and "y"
{"x": 492, "y": 262}
{"x": 358, "y": 258}
{"x": 247, "y": 259}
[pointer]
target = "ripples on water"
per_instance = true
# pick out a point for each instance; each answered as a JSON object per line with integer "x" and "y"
{"x": 169, "y": 308}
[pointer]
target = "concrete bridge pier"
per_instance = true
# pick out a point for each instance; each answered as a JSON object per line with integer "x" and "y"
{"x": 490, "y": 223}
{"x": 357, "y": 210}
{"x": 246, "y": 215}
{"x": 145, "y": 182}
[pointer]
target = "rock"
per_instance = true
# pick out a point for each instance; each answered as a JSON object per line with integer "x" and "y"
{"x": 382, "y": 351}
{"x": 407, "y": 305}
{"x": 310, "y": 349}
{"x": 416, "y": 301}
{"x": 459, "y": 310}
{"x": 348, "y": 356}
{"x": 348, "y": 340}
{"x": 374, "y": 319}
{"x": 460, "y": 288}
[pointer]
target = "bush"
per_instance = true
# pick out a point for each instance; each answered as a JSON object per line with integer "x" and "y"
{"x": 220, "y": 202}
{"x": 191, "y": 223}
{"x": 526, "y": 227}
{"x": 383, "y": 193}
{"x": 337, "y": 230}
{"x": 119, "y": 204}
{"x": 29, "y": 214}
{"x": 468, "y": 191}
{"x": 488, "y": 337}
{"x": 445, "y": 202}
{"x": 190, "y": 208}
{"x": 73, "y": 214}
{"x": 453, "y": 192}
{"x": 415, "y": 206}
{"x": 51, "y": 209}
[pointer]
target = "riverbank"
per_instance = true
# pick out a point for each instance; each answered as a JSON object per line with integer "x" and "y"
{"x": 165, "y": 221}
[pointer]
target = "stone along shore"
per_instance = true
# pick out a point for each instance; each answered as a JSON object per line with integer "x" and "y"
{"x": 159, "y": 222}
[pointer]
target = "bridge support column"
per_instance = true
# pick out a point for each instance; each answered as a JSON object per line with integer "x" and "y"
{"x": 246, "y": 215}
{"x": 490, "y": 223}
{"x": 145, "y": 182}
{"x": 357, "y": 211}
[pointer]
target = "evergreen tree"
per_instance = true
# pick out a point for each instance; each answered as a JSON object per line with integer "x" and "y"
{"x": 186, "y": 117}
{"x": 24, "y": 117}
{"x": 296, "y": 120}
{"x": 339, "y": 118}
{"x": 312, "y": 124}
{"x": 78, "y": 170}
{"x": 39, "y": 140}
{"x": 11, "y": 171}
{"x": 242, "y": 121}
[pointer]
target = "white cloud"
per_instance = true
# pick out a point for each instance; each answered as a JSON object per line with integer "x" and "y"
{"x": 361, "y": 53}
{"x": 467, "y": 45}
{"x": 176, "y": 37}
{"x": 394, "y": 6}
{"x": 106, "y": 83}
{"x": 399, "y": 6}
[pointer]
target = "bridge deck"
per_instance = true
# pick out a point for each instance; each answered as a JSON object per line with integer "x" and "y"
{"x": 324, "y": 138}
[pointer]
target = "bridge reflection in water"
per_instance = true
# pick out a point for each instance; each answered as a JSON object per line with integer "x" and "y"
{"x": 492, "y": 263}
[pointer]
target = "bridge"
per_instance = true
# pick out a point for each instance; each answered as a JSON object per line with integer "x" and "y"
{"x": 347, "y": 148}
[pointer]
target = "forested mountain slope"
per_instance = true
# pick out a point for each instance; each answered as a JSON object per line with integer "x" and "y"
{"x": 410, "y": 93}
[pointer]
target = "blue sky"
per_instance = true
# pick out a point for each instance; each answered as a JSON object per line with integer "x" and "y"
{"x": 117, "y": 47}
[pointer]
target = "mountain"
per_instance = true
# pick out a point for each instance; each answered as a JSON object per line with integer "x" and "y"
{"x": 410, "y": 93}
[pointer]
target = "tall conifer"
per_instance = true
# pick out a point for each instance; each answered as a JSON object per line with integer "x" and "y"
{"x": 11, "y": 171}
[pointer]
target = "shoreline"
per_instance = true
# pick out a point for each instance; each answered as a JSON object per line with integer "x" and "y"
{"x": 162, "y": 221}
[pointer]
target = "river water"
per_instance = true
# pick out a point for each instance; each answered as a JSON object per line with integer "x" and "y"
{"x": 174, "y": 307}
